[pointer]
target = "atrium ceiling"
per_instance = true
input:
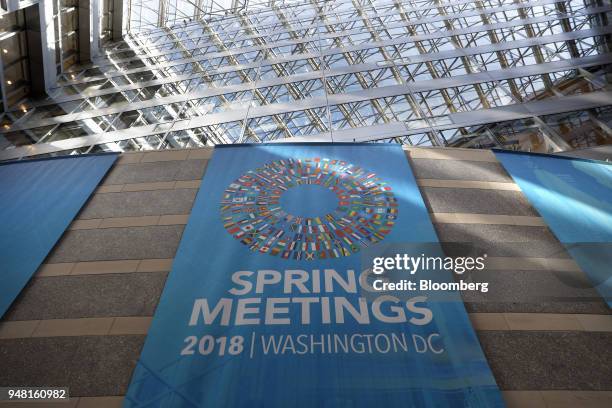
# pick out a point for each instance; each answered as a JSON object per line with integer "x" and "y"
{"x": 527, "y": 75}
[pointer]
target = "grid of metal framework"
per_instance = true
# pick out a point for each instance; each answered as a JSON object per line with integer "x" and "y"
{"x": 529, "y": 75}
{"x": 147, "y": 14}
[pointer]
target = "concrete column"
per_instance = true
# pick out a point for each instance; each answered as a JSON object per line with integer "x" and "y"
{"x": 90, "y": 30}
{"x": 95, "y": 32}
{"x": 117, "y": 19}
{"x": 47, "y": 41}
{"x": 12, "y": 5}
{"x": 35, "y": 50}
{"x": 86, "y": 35}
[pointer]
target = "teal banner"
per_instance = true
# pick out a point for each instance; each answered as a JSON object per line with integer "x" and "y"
{"x": 574, "y": 196}
{"x": 39, "y": 199}
{"x": 270, "y": 300}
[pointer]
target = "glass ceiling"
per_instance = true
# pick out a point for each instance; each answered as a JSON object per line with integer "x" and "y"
{"x": 525, "y": 75}
{"x": 143, "y": 15}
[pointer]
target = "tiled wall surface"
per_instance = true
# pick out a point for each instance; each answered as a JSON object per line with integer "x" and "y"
{"x": 82, "y": 319}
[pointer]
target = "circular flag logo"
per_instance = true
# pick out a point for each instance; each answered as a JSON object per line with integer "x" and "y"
{"x": 307, "y": 209}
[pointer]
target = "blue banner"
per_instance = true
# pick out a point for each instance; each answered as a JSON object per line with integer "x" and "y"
{"x": 39, "y": 199}
{"x": 268, "y": 302}
{"x": 574, "y": 196}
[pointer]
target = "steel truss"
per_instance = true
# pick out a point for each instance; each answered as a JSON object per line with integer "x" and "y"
{"x": 529, "y": 75}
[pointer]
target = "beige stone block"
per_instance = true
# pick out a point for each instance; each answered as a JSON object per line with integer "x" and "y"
{"x": 484, "y": 218}
{"x": 180, "y": 219}
{"x": 597, "y": 323}
{"x": 562, "y": 264}
{"x": 203, "y": 153}
{"x": 188, "y": 184}
{"x": 111, "y": 188}
{"x": 130, "y": 325}
{"x": 489, "y": 321}
{"x": 56, "y": 269}
{"x": 470, "y": 218}
{"x": 542, "y": 321}
{"x": 444, "y": 218}
{"x": 101, "y": 267}
{"x": 130, "y": 158}
{"x": 483, "y": 185}
{"x": 454, "y": 183}
{"x": 575, "y": 399}
{"x": 85, "y": 224}
{"x": 17, "y": 329}
{"x": 155, "y": 265}
{"x": 73, "y": 327}
{"x": 433, "y": 183}
{"x": 523, "y": 399}
{"x": 529, "y": 221}
{"x": 498, "y": 185}
{"x": 452, "y": 154}
{"x": 160, "y": 185}
{"x": 121, "y": 222}
{"x": 165, "y": 155}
